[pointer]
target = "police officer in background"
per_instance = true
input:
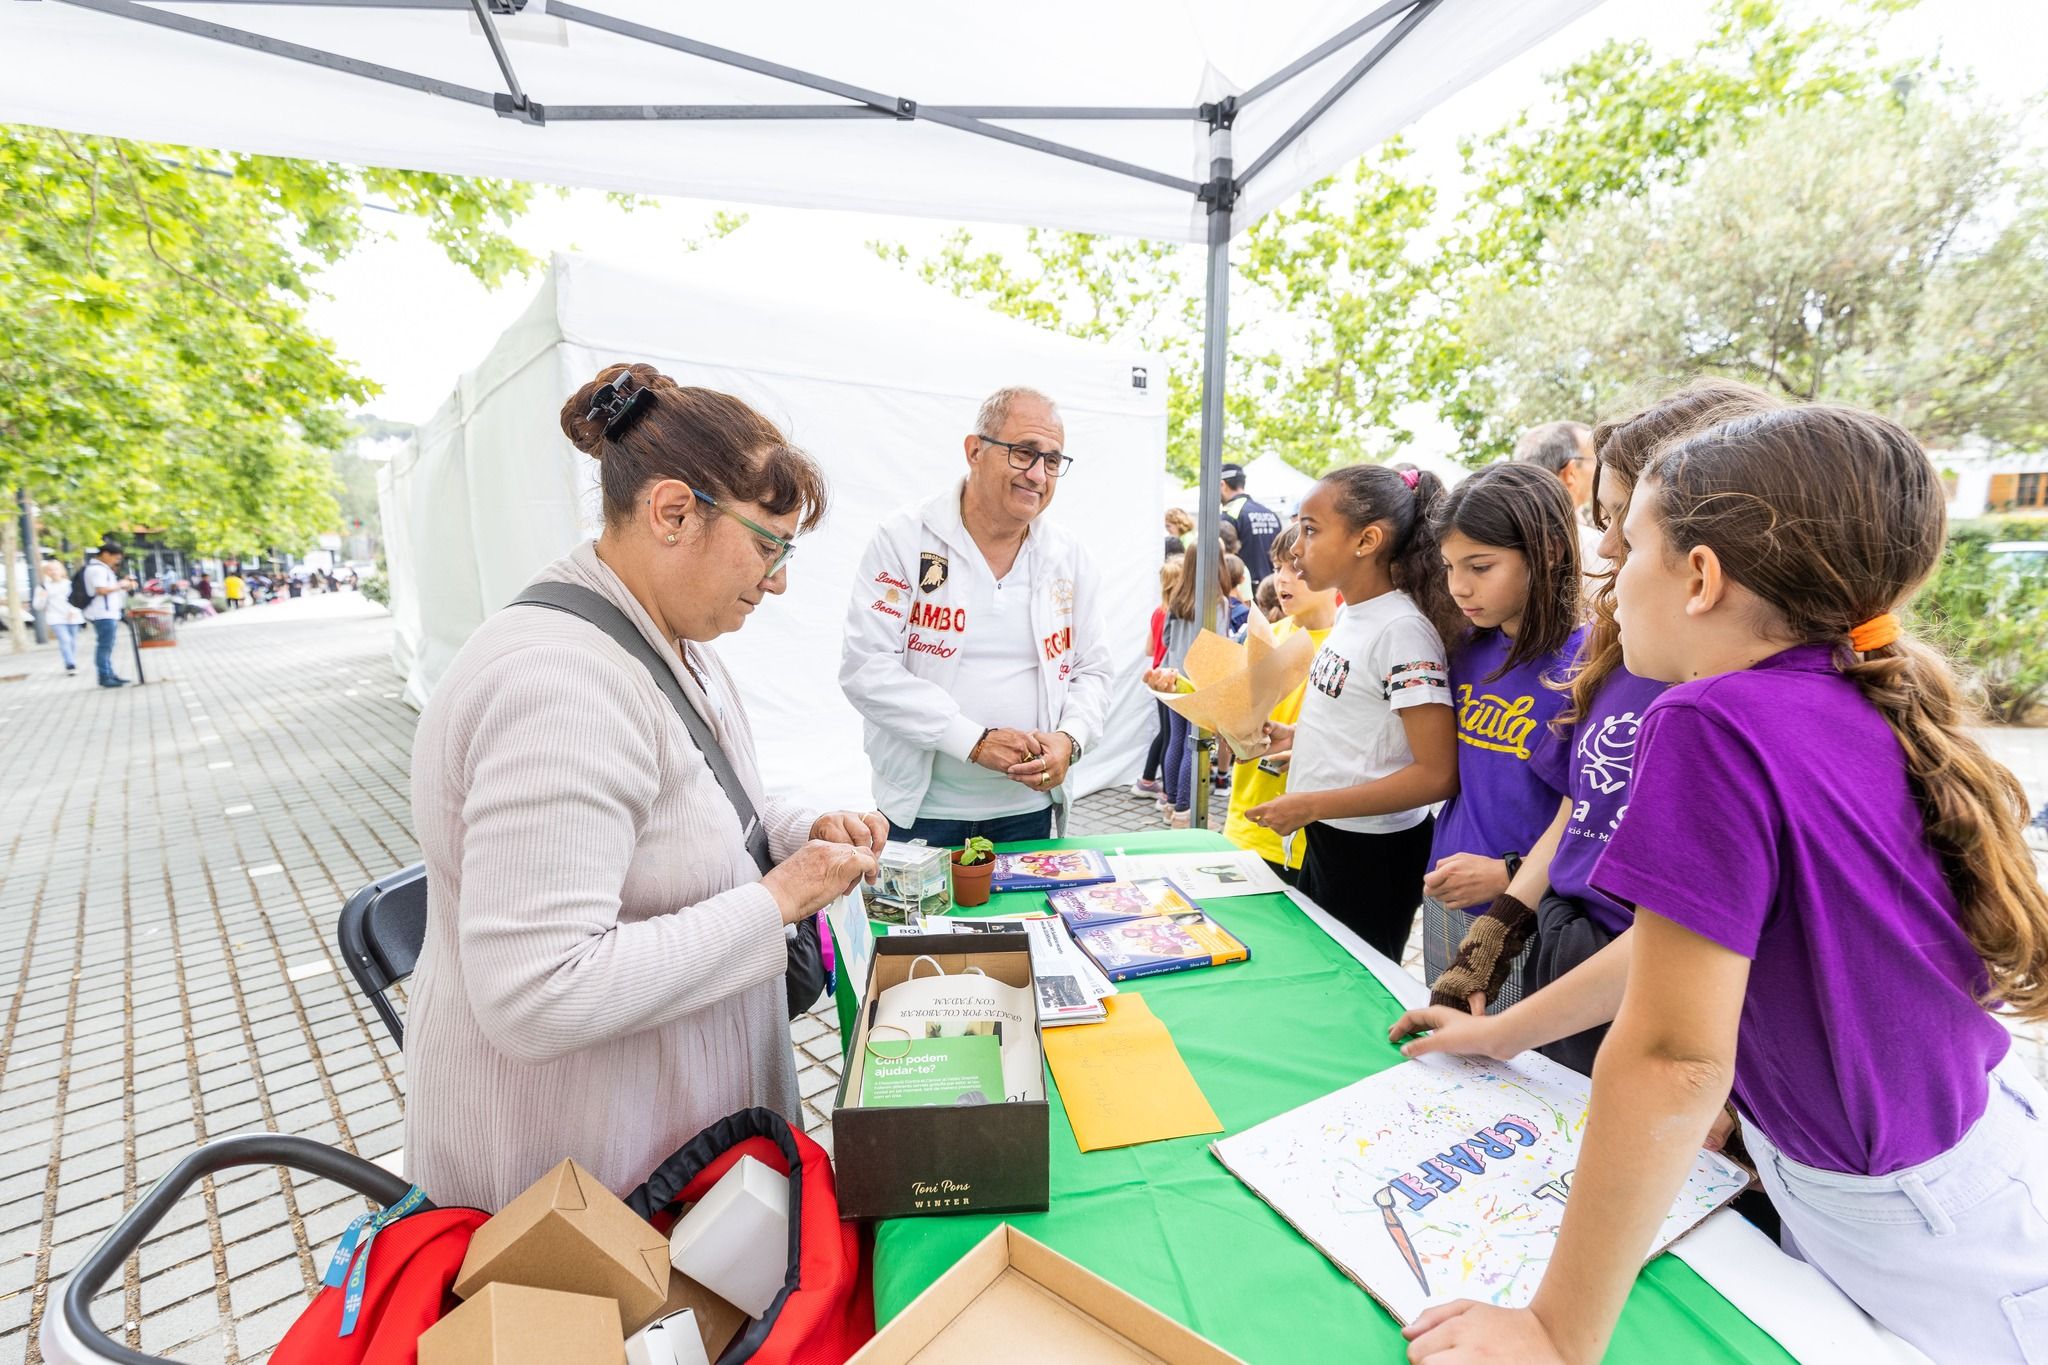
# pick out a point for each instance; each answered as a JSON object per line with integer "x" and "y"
{"x": 1255, "y": 523}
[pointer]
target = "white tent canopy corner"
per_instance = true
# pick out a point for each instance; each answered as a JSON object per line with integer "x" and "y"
{"x": 874, "y": 373}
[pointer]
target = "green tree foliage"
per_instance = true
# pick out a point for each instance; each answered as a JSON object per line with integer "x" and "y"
{"x": 1846, "y": 251}
{"x": 1990, "y": 611}
{"x": 156, "y": 365}
{"x": 1624, "y": 130}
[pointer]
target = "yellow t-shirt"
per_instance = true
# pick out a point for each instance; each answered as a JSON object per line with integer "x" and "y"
{"x": 1250, "y": 787}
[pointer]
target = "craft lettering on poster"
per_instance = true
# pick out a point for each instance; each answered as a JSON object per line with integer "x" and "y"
{"x": 1486, "y": 721}
{"x": 1443, "y": 1178}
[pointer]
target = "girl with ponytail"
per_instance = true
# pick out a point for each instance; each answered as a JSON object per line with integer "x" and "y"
{"x": 1830, "y": 887}
{"x": 1376, "y": 745}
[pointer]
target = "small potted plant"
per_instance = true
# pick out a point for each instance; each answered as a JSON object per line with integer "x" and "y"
{"x": 972, "y": 866}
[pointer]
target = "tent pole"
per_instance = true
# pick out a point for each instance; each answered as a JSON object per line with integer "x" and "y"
{"x": 1220, "y": 194}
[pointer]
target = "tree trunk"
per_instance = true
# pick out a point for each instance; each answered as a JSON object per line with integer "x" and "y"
{"x": 17, "y": 624}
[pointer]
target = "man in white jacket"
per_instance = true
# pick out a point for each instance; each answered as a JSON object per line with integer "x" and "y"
{"x": 974, "y": 643}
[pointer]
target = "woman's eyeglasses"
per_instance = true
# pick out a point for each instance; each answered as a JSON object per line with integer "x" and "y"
{"x": 775, "y": 549}
{"x": 1022, "y": 457}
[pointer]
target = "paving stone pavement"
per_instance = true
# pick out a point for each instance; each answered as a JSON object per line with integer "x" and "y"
{"x": 172, "y": 860}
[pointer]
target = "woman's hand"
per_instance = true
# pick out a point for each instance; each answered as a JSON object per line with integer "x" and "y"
{"x": 1284, "y": 814}
{"x": 867, "y": 829}
{"x": 1466, "y": 879}
{"x": 1449, "y": 1030}
{"x": 1461, "y": 1332}
{"x": 814, "y": 876}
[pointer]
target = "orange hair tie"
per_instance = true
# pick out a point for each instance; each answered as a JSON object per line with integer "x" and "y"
{"x": 1875, "y": 633}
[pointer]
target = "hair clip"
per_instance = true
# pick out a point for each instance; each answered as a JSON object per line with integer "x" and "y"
{"x": 1411, "y": 477}
{"x": 619, "y": 403}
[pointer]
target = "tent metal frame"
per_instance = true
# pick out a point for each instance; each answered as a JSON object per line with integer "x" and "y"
{"x": 1218, "y": 194}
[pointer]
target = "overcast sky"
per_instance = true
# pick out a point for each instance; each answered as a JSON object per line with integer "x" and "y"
{"x": 413, "y": 322}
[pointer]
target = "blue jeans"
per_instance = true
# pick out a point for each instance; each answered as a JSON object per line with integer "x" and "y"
{"x": 1003, "y": 829}
{"x": 67, "y": 645}
{"x": 105, "y": 631}
{"x": 1180, "y": 764}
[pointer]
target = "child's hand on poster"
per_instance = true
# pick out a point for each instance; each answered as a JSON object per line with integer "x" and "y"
{"x": 1469, "y": 1333}
{"x": 1466, "y": 879}
{"x": 1449, "y": 1030}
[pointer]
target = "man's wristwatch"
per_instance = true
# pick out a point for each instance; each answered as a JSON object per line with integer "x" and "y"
{"x": 1514, "y": 862}
{"x": 1075, "y": 756}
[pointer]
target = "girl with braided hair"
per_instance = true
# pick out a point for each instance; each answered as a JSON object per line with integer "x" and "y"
{"x": 1831, "y": 892}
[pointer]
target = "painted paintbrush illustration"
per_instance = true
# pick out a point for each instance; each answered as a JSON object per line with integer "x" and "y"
{"x": 1385, "y": 1199}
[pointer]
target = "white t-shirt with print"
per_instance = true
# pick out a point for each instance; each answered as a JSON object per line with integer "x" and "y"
{"x": 997, "y": 686}
{"x": 1382, "y": 657}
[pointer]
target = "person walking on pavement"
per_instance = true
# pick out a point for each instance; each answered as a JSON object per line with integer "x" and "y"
{"x": 106, "y": 593}
{"x": 231, "y": 588}
{"x": 1255, "y": 524}
{"x": 53, "y": 600}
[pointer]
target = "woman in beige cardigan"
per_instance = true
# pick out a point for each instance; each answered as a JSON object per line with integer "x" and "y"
{"x": 603, "y": 969}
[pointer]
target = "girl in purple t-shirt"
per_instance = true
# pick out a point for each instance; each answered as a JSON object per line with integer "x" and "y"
{"x": 1829, "y": 878}
{"x": 1510, "y": 547}
{"x": 1590, "y": 759}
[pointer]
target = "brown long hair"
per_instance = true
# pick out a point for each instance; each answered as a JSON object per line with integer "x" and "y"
{"x": 1624, "y": 446}
{"x": 709, "y": 440}
{"x": 1367, "y": 493}
{"x": 1524, "y": 508}
{"x": 1831, "y": 517}
{"x": 1181, "y": 602}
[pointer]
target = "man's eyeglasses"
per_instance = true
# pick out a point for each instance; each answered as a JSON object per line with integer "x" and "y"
{"x": 777, "y": 549}
{"x": 1023, "y": 457}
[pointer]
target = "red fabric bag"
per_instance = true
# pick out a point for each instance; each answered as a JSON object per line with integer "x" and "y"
{"x": 408, "y": 1287}
{"x": 826, "y": 1310}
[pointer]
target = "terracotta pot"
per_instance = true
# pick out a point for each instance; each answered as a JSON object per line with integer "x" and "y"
{"x": 970, "y": 880}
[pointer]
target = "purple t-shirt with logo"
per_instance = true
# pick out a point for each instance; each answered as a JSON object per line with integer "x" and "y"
{"x": 1592, "y": 763}
{"x": 1771, "y": 813}
{"x": 1504, "y": 802}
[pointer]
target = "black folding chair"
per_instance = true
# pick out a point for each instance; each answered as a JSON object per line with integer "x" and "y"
{"x": 382, "y": 929}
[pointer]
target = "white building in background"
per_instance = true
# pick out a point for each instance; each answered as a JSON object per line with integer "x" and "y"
{"x": 1987, "y": 483}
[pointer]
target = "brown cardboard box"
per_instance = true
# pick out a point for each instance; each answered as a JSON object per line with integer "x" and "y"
{"x": 718, "y": 1322}
{"x": 514, "y": 1324}
{"x": 939, "y": 1159}
{"x": 568, "y": 1232}
{"x": 1013, "y": 1298}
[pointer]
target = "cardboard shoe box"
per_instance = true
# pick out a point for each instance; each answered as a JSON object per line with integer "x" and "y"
{"x": 1013, "y": 1298}
{"x": 567, "y": 1232}
{"x": 938, "y": 1159}
{"x": 516, "y": 1324}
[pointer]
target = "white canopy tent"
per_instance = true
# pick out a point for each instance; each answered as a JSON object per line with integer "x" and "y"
{"x": 874, "y": 373}
{"x": 1171, "y": 119}
{"x": 1178, "y": 119}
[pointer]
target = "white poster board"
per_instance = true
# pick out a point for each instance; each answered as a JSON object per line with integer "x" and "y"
{"x": 1443, "y": 1178}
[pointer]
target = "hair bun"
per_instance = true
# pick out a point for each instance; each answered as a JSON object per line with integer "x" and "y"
{"x": 585, "y": 430}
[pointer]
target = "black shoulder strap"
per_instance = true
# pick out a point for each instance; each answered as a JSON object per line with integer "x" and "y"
{"x": 592, "y": 607}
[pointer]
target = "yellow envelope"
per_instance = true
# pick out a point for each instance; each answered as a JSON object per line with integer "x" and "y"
{"x": 1123, "y": 1081}
{"x": 1237, "y": 686}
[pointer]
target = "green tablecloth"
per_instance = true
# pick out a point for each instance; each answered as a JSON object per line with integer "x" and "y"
{"x": 1167, "y": 1222}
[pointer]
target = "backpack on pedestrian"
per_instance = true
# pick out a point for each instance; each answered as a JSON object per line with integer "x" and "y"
{"x": 80, "y": 598}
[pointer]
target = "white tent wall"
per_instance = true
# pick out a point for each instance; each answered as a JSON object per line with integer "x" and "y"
{"x": 874, "y": 373}
{"x": 401, "y": 582}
